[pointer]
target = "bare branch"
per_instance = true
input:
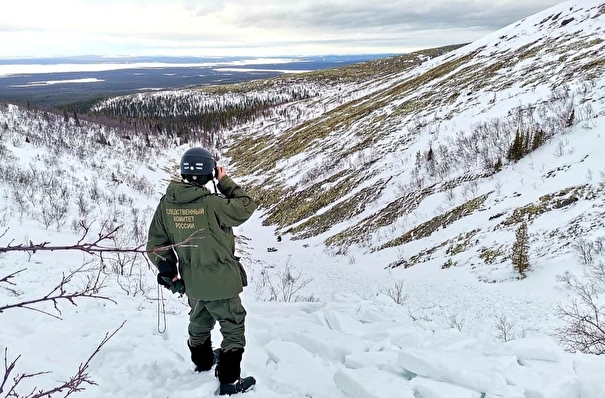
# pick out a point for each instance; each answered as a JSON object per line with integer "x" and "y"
{"x": 6, "y": 278}
{"x": 98, "y": 246}
{"x": 7, "y": 369}
{"x": 57, "y": 294}
{"x": 76, "y": 383}
{"x": 583, "y": 328}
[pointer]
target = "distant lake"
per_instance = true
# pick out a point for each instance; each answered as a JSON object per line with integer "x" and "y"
{"x": 58, "y": 81}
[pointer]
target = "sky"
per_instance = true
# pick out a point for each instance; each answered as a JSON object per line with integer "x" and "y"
{"x": 41, "y": 28}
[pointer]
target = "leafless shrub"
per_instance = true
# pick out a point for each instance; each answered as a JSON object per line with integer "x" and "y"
{"x": 125, "y": 200}
{"x": 456, "y": 321}
{"x": 134, "y": 283}
{"x": 397, "y": 293}
{"x": 45, "y": 216}
{"x": 83, "y": 204}
{"x": 18, "y": 198}
{"x": 290, "y": 282}
{"x": 504, "y": 329}
{"x": 498, "y": 187}
{"x": 315, "y": 172}
{"x": 95, "y": 245}
{"x": 56, "y": 294}
{"x": 138, "y": 225}
{"x": 417, "y": 180}
{"x": 59, "y": 211}
{"x": 76, "y": 383}
{"x": 450, "y": 196}
{"x": 561, "y": 146}
{"x": 262, "y": 284}
{"x": 587, "y": 250}
{"x": 141, "y": 185}
{"x": 284, "y": 285}
{"x": 95, "y": 277}
{"x": 4, "y": 217}
{"x": 94, "y": 191}
{"x": 308, "y": 299}
{"x": 78, "y": 226}
{"x": 587, "y": 114}
{"x": 583, "y": 328}
{"x": 416, "y": 318}
{"x": 470, "y": 190}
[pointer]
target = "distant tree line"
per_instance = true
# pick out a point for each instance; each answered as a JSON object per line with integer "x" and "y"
{"x": 193, "y": 114}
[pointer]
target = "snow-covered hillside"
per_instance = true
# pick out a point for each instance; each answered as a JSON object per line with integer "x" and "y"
{"x": 396, "y": 197}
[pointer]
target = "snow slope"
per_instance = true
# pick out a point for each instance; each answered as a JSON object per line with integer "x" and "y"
{"x": 347, "y": 346}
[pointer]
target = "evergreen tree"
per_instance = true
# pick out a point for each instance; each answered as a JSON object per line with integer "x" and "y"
{"x": 431, "y": 165}
{"x": 537, "y": 140}
{"x": 516, "y": 150}
{"x": 520, "y": 250}
{"x": 571, "y": 118}
{"x": 429, "y": 155}
{"x": 526, "y": 144}
{"x": 498, "y": 165}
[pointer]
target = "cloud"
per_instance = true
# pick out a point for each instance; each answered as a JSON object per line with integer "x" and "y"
{"x": 399, "y": 15}
{"x": 142, "y": 27}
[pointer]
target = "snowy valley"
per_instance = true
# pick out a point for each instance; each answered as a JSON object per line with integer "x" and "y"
{"x": 397, "y": 190}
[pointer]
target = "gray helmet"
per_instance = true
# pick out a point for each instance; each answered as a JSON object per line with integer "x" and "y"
{"x": 197, "y": 162}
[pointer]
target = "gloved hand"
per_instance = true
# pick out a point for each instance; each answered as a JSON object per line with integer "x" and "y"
{"x": 166, "y": 275}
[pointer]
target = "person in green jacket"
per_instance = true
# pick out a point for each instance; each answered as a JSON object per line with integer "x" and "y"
{"x": 191, "y": 243}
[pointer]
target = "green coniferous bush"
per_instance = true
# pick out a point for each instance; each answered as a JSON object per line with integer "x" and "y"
{"x": 520, "y": 251}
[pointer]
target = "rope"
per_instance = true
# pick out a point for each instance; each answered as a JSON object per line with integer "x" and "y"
{"x": 161, "y": 311}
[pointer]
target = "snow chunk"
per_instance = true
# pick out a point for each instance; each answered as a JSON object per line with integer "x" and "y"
{"x": 464, "y": 368}
{"x": 428, "y": 388}
{"x": 378, "y": 359}
{"x": 293, "y": 361}
{"x": 327, "y": 343}
{"x": 372, "y": 383}
{"x": 343, "y": 323}
{"x": 542, "y": 348}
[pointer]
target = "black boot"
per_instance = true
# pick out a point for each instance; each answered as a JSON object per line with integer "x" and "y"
{"x": 202, "y": 355}
{"x": 242, "y": 385}
{"x": 229, "y": 373}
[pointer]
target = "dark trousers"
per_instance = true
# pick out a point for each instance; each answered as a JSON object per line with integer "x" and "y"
{"x": 230, "y": 315}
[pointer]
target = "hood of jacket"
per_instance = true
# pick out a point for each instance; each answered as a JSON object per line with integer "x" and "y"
{"x": 181, "y": 192}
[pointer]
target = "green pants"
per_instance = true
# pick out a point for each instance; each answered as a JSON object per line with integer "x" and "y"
{"x": 230, "y": 315}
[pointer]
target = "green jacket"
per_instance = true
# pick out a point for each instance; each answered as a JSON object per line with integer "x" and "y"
{"x": 206, "y": 262}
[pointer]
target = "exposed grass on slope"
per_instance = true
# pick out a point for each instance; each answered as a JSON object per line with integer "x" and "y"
{"x": 377, "y": 68}
{"x": 307, "y": 134}
{"x": 553, "y": 201}
{"x": 266, "y": 197}
{"x": 341, "y": 212}
{"x": 369, "y": 121}
{"x": 385, "y": 217}
{"x": 497, "y": 253}
{"x": 358, "y": 72}
{"x": 407, "y": 202}
{"x": 299, "y": 205}
{"x": 426, "y": 229}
